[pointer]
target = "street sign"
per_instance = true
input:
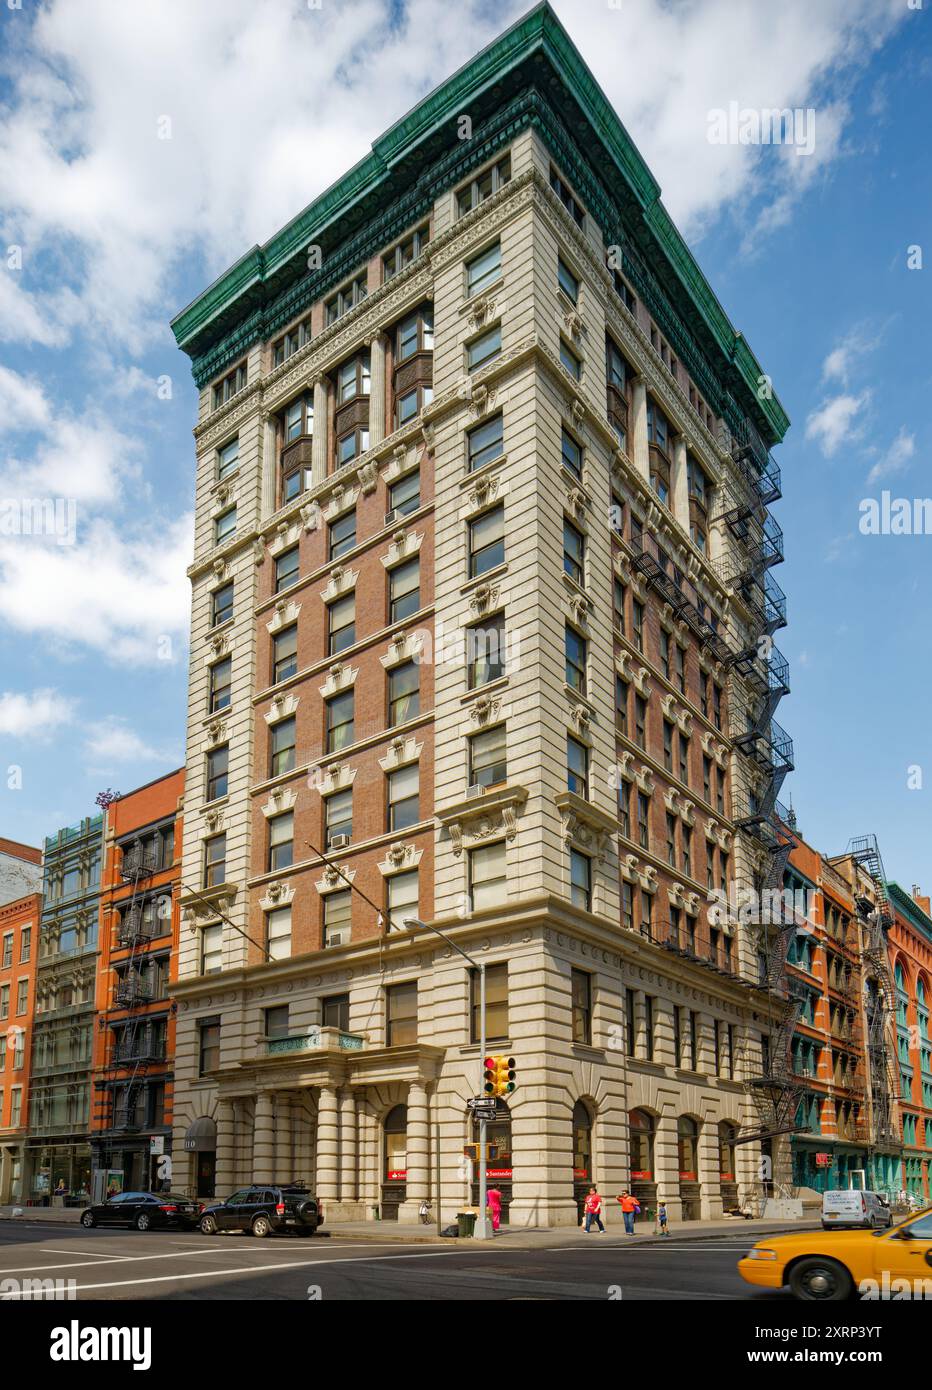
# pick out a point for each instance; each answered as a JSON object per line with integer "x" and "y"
{"x": 482, "y": 1104}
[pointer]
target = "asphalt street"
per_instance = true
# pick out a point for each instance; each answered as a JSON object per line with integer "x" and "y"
{"x": 166, "y": 1265}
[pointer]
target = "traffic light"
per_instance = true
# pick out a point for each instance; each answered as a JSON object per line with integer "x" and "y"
{"x": 503, "y": 1076}
{"x": 488, "y": 1076}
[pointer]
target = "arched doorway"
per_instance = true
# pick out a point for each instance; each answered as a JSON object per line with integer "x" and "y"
{"x": 582, "y": 1154}
{"x": 642, "y": 1129}
{"x": 395, "y": 1161}
{"x": 727, "y": 1165}
{"x": 687, "y": 1147}
{"x": 498, "y": 1170}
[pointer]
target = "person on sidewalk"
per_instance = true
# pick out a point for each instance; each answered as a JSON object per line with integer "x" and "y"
{"x": 494, "y": 1199}
{"x": 630, "y": 1208}
{"x": 594, "y": 1210}
{"x": 662, "y": 1217}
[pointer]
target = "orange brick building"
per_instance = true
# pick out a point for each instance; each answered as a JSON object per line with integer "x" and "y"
{"x": 19, "y": 931}
{"x": 131, "y": 1103}
{"x": 910, "y": 945}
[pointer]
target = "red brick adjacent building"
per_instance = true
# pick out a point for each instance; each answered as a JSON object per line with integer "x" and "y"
{"x": 19, "y": 931}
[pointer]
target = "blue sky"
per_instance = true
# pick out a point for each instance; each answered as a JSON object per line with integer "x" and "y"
{"x": 117, "y": 228}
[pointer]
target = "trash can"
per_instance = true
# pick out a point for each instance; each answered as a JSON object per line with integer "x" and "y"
{"x": 466, "y": 1222}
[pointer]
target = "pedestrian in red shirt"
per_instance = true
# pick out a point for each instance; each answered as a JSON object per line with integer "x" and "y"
{"x": 593, "y": 1210}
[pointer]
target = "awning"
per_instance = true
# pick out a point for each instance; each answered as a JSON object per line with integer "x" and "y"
{"x": 201, "y": 1135}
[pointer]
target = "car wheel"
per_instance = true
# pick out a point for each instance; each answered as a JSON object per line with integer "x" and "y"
{"x": 819, "y": 1280}
{"x": 261, "y": 1226}
{"x": 143, "y": 1221}
{"x": 87, "y": 1220}
{"x": 207, "y": 1226}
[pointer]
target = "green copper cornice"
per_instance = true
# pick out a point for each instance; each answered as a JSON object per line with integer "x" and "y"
{"x": 536, "y": 67}
{"x": 907, "y": 907}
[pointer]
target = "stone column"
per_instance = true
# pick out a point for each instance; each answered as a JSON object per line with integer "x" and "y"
{"x": 263, "y": 1139}
{"x": 348, "y": 1158}
{"x": 225, "y": 1174}
{"x": 321, "y": 430}
{"x": 378, "y": 389}
{"x": 269, "y": 438}
{"x": 328, "y": 1145}
{"x": 418, "y": 1149}
{"x": 705, "y": 1036}
{"x": 710, "y": 1183}
{"x": 284, "y": 1141}
{"x": 688, "y": 1061}
{"x": 640, "y": 1025}
{"x": 639, "y": 452}
{"x": 667, "y": 1165}
{"x": 664, "y": 1046}
{"x": 239, "y": 1156}
{"x": 367, "y": 1141}
{"x": 679, "y": 482}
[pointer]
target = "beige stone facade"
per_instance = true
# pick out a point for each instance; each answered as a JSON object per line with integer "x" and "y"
{"x": 633, "y": 1050}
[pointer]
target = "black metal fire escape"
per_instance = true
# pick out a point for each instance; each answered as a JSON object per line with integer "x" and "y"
{"x": 879, "y": 996}
{"x": 132, "y": 1046}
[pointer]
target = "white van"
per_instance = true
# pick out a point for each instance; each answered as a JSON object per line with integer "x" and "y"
{"x": 855, "y": 1208}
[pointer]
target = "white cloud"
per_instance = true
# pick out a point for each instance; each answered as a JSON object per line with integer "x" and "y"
{"x": 848, "y": 352}
{"x": 837, "y": 422}
{"x": 121, "y": 591}
{"x": 896, "y": 457}
{"x": 112, "y": 740}
{"x": 88, "y": 180}
{"x": 35, "y": 715}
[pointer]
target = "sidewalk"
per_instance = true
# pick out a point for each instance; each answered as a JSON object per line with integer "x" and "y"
{"x": 517, "y": 1237}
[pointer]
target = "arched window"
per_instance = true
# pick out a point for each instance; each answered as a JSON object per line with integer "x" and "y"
{"x": 687, "y": 1138}
{"x": 582, "y": 1143}
{"x": 643, "y": 1130}
{"x": 396, "y": 1144}
{"x": 727, "y": 1133}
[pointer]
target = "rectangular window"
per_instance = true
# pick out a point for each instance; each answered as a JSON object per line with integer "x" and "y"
{"x": 221, "y": 677}
{"x": 665, "y": 652}
{"x": 405, "y": 252}
{"x": 680, "y": 657}
{"x": 643, "y": 805}
{"x": 574, "y": 552}
{"x": 286, "y": 346}
{"x": 624, "y": 807}
{"x": 221, "y": 604}
{"x": 485, "y": 443}
{"x": 284, "y": 654}
{"x": 212, "y": 949}
{"x": 4, "y": 1001}
{"x": 686, "y": 840}
{"x": 228, "y": 458}
{"x": 401, "y": 1014}
{"x": 640, "y": 721}
{"x": 581, "y": 991}
{"x": 630, "y": 1024}
{"x": 485, "y": 651}
{"x": 334, "y": 1012}
{"x": 684, "y": 759}
{"x": 341, "y": 616}
{"x": 488, "y": 883}
{"x": 338, "y": 815}
{"x": 571, "y": 454}
{"x": 287, "y": 571}
{"x": 577, "y": 767}
{"x": 404, "y": 496}
{"x": 278, "y": 940}
{"x": 637, "y": 623}
{"x": 487, "y": 541}
{"x": 22, "y": 996}
{"x": 7, "y": 949}
{"x": 404, "y": 802}
{"x": 296, "y": 422}
{"x": 281, "y": 842}
{"x": 483, "y": 270}
{"x": 282, "y": 738}
{"x": 413, "y": 401}
{"x": 404, "y": 591}
{"x": 340, "y": 721}
{"x": 350, "y": 446}
{"x": 648, "y": 1019}
{"x": 621, "y": 705}
{"x": 668, "y": 745}
{"x": 619, "y": 597}
{"x": 483, "y": 186}
{"x": 276, "y": 1020}
{"x": 346, "y": 298}
{"x": 25, "y": 944}
{"x": 496, "y": 1004}
{"x": 671, "y": 839}
{"x": 354, "y": 378}
{"x": 570, "y": 361}
{"x": 218, "y": 763}
{"x": 215, "y": 861}
{"x": 580, "y": 880}
{"x": 225, "y": 526}
{"x": 404, "y": 693}
{"x": 401, "y": 896}
{"x": 209, "y": 1046}
{"x": 338, "y": 911}
{"x": 567, "y": 280}
{"x": 707, "y": 779}
{"x": 488, "y": 765}
{"x": 561, "y": 189}
{"x": 575, "y": 663}
{"x": 232, "y": 383}
{"x": 342, "y": 534}
{"x": 484, "y": 349}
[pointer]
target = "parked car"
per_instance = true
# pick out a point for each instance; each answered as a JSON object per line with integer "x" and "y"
{"x": 263, "y": 1209}
{"x": 830, "y": 1266}
{"x": 145, "y": 1211}
{"x": 855, "y": 1209}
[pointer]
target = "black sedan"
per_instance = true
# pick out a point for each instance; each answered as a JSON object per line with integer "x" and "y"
{"x": 145, "y": 1211}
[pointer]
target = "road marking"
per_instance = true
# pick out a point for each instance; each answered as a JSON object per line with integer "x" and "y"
{"x": 261, "y": 1269}
{"x": 100, "y": 1254}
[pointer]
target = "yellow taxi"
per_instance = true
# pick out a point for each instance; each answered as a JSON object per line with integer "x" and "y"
{"x": 834, "y": 1265}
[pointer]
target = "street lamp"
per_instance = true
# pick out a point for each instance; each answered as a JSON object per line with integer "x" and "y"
{"x": 483, "y": 1229}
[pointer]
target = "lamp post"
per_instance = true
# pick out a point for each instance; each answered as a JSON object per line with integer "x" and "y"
{"x": 483, "y": 1229}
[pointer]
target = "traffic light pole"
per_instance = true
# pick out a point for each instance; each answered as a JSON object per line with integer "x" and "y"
{"x": 483, "y": 1228}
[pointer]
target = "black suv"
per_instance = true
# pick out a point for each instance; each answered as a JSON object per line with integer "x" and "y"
{"x": 263, "y": 1209}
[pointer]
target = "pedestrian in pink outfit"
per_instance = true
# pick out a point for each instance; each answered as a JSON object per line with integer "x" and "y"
{"x": 494, "y": 1199}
